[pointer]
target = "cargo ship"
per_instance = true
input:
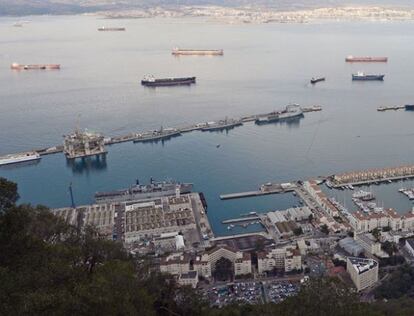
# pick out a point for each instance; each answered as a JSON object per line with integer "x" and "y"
{"x": 16, "y": 66}
{"x": 201, "y": 52}
{"x": 18, "y": 158}
{"x": 365, "y": 77}
{"x": 144, "y": 191}
{"x": 291, "y": 111}
{"x": 150, "y": 81}
{"x": 157, "y": 135}
{"x": 103, "y": 28}
{"x": 221, "y": 125}
{"x": 366, "y": 59}
{"x": 316, "y": 80}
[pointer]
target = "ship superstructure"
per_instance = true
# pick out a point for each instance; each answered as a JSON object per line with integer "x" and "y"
{"x": 291, "y": 111}
{"x": 18, "y": 158}
{"x": 366, "y": 77}
{"x": 144, "y": 191}
{"x": 151, "y": 81}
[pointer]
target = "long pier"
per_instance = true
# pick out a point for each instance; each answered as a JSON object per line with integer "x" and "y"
{"x": 241, "y": 219}
{"x": 136, "y": 136}
{"x": 265, "y": 189}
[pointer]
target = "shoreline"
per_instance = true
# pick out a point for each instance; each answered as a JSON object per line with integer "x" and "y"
{"x": 249, "y": 15}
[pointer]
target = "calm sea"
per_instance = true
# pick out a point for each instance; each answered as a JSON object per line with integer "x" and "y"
{"x": 264, "y": 67}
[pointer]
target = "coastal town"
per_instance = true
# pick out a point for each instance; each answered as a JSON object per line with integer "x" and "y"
{"x": 168, "y": 223}
{"x": 259, "y": 15}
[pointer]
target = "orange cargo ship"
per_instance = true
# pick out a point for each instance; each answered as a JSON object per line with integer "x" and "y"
{"x": 16, "y": 66}
{"x": 366, "y": 59}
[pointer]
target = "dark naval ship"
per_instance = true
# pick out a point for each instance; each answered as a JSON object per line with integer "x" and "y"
{"x": 364, "y": 77}
{"x": 316, "y": 80}
{"x": 144, "y": 191}
{"x": 150, "y": 81}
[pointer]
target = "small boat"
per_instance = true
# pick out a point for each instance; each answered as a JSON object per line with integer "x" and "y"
{"x": 316, "y": 80}
{"x": 218, "y": 145}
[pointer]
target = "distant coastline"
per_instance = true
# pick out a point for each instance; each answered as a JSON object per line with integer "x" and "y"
{"x": 257, "y": 15}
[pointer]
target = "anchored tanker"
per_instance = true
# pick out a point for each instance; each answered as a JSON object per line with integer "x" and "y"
{"x": 150, "y": 81}
{"x": 103, "y": 28}
{"x": 142, "y": 191}
{"x": 16, "y": 158}
{"x": 366, "y": 59}
{"x": 16, "y": 66}
{"x": 364, "y": 77}
{"x": 210, "y": 52}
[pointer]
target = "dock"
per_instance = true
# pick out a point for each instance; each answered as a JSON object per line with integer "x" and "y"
{"x": 265, "y": 189}
{"x": 137, "y": 136}
{"x": 241, "y": 219}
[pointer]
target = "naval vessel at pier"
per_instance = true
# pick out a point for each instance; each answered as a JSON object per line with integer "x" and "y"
{"x": 291, "y": 111}
{"x": 144, "y": 191}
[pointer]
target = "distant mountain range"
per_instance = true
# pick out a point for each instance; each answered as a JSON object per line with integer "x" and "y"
{"x": 32, "y": 7}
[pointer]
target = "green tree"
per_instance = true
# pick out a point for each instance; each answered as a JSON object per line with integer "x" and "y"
{"x": 298, "y": 231}
{"x": 8, "y": 194}
{"x": 325, "y": 229}
{"x": 390, "y": 248}
{"x": 376, "y": 233}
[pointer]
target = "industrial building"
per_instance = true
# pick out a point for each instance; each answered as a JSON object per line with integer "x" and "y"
{"x": 167, "y": 223}
{"x": 83, "y": 144}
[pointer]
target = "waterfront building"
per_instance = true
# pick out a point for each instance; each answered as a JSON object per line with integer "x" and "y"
{"x": 363, "y": 272}
{"x": 366, "y": 222}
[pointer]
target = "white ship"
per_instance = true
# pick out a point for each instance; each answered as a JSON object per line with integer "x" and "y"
{"x": 16, "y": 158}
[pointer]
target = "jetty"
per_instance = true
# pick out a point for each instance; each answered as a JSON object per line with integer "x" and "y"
{"x": 265, "y": 189}
{"x": 241, "y": 219}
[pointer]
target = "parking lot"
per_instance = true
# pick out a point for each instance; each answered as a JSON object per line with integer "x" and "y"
{"x": 251, "y": 292}
{"x": 276, "y": 292}
{"x": 243, "y": 292}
